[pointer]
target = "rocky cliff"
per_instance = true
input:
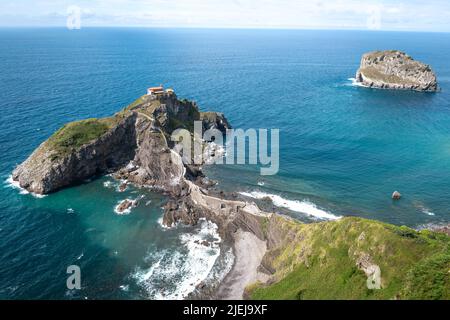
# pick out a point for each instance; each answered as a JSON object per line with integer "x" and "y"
{"x": 395, "y": 70}
{"x": 55, "y": 164}
{"x": 134, "y": 143}
{"x": 321, "y": 260}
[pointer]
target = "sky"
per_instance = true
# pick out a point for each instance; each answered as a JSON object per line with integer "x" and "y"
{"x": 400, "y": 15}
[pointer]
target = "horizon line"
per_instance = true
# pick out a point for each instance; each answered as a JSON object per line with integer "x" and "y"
{"x": 218, "y": 28}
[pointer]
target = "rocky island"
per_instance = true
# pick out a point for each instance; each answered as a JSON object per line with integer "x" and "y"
{"x": 395, "y": 70}
{"x": 276, "y": 257}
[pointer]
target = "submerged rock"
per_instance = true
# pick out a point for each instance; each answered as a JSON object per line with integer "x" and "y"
{"x": 395, "y": 70}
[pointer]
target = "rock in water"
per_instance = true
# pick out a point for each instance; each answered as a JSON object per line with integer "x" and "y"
{"x": 125, "y": 205}
{"x": 123, "y": 186}
{"x": 396, "y": 195}
{"x": 395, "y": 70}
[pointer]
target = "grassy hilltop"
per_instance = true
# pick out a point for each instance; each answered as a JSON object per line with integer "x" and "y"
{"x": 74, "y": 135}
{"x": 322, "y": 261}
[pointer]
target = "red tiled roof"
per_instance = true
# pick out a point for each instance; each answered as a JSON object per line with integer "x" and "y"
{"x": 156, "y": 89}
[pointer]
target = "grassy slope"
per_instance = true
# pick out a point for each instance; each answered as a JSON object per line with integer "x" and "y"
{"x": 318, "y": 261}
{"x": 73, "y": 135}
{"x": 76, "y": 134}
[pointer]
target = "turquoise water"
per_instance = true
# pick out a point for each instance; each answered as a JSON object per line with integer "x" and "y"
{"x": 344, "y": 149}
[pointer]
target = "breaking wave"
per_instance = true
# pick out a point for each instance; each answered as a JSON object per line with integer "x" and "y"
{"x": 427, "y": 211}
{"x": 176, "y": 274}
{"x": 304, "y": 207}
{"x": 163, "y": 226}
{"x": 108, "y": 184}
{"x": 15, "y": 185}
{"x": 126, "y": 211}
{"x": 355, "y": 83}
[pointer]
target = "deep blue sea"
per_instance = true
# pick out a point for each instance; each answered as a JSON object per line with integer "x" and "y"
{"x": 343, "y": 149}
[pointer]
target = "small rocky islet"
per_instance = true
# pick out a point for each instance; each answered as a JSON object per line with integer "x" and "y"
{"x": 396, "y": 70}
{"x": 125, "y": 205}
{"x": 134, "y": 146}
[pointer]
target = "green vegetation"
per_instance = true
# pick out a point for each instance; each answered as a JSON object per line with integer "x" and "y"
{"x": 175, "y": 123}
{"x": 265, "y": 225}
{"x": 319, "y": 261}
{"x": 429, "y": 279}
{"x": 76, "y": 134}
{"x": 135, "y": 103}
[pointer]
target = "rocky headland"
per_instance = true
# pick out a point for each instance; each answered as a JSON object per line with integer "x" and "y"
{"x": 396, "y": 70}
{"x": 276, "y": 257}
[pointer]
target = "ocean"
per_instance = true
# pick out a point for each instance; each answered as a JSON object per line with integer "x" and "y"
{"x": 343, "y": 149}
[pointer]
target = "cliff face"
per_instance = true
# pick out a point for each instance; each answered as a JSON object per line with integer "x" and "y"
{"x": 135, "y": 143}
{"x": 48, "y": 169}
{"x": 395, "y": 70}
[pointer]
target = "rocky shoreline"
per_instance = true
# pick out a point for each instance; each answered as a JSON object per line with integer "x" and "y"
{"x": 137, "y": 149}
{"x": 134, "y": 145}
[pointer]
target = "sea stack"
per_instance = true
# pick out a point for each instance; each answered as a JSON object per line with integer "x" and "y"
{"x": 395, "y": 70}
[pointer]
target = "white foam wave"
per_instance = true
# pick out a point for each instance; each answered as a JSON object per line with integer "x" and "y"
{"x": 10, "y": 183}
{"x": 356, "y": 83}
{"x": 226, "y": 261}
{"x": 125, "y": 288}
{"x": 174, "y": 275}
{"x": 305, "y": 207}
{"x": 123, "y": 184}
{"x": 427, "y": 211}
{"x": 39, "y": 196}
{"x": 126, "y": 211}
{"x": 163, "y": 226}
{"x": 108, "y": 184}
{"x": 420, "y": 206}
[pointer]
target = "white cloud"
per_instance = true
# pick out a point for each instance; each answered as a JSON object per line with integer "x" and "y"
{"x": 425, "y": 15}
